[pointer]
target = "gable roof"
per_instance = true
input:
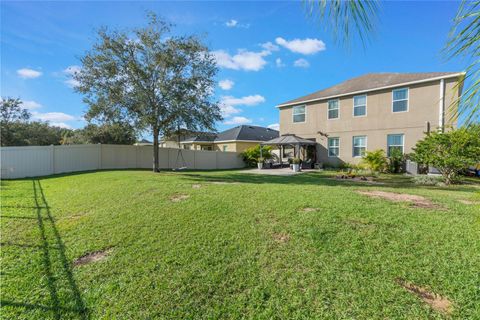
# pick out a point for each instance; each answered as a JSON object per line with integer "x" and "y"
{"x": 242, "y": 133}
{"x": 370, "y": 82}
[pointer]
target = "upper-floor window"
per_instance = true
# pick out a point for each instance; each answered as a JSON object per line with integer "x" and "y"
{"x": 359, "y": 146}
{"x": 360, "y": 106}
{"x": 400, "y": 100}
{"x": 333, "y": 109}
{"x": 395, "y": 141}
{"x": 299, "y": 114}
{"x": 333, "y": 147}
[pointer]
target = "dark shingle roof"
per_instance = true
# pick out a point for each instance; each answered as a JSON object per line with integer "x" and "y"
{"x": 243, "y": 132}
{"x": 369, "y": 81}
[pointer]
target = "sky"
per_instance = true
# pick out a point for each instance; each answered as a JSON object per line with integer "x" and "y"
{"x": 267, "y": 52}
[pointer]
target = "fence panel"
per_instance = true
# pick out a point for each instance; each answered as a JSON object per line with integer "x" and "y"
{"x": 20, "y": 162}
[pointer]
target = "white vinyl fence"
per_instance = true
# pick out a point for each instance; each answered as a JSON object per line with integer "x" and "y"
{"x": 21, "y": 162}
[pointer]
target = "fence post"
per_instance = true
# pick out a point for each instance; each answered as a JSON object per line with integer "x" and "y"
{"x": 52, "y": 155}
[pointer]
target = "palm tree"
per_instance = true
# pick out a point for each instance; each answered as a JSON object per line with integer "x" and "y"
{"x": 361, "y": 16}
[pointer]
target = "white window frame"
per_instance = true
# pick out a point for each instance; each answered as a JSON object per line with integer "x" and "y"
{"x": 395, "y": 145}
{"x": 304, "y": 112}
{"x": 328, "y": 147}
{"x": 353, "y": 145}
{"x": 328, "y": 109}
{"x": 408, "y": 99}
{"x": 366, "y": 102}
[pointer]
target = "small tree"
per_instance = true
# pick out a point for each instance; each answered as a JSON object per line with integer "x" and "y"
{"x": 11, "y": 114}
{"x": 150, "y": 79}
{"x": 252, "y": 154}
{"x": 449, "y": 152}
{"x": 375, "y": 160}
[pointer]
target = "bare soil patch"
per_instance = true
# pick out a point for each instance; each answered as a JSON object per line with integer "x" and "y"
{"x": 179, "y": 197}
{"x": 224, "y": 182}
{"x": 307, "y": 209}
{"x": 281, "y": 237}
{"x": 435, "y": 301}
{"x": 92, "y": 257}
{"x": 416, "y": 201}
{"x": 196, "y": 186}
{"x": 468, "y": 202}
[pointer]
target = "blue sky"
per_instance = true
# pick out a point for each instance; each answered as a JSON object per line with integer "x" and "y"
{"x": 268, "y": 52}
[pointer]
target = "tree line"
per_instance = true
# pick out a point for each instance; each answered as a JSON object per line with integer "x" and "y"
{"x": 19, "y": 129}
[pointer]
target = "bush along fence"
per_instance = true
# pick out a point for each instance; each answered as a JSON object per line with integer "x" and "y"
{"x": 21, "y": 162}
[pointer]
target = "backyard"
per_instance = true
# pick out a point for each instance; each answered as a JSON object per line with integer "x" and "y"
{"x": 133, "y": 244}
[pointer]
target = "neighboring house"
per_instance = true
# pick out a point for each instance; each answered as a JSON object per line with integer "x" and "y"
{"x": 374, "y": 111}
{"x": 143, "y": 142}
{"x": 235, "y": 139}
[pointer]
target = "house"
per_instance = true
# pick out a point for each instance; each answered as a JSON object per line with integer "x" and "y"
{"x": 236, "y": 139}
{"x": 373, "y": 111}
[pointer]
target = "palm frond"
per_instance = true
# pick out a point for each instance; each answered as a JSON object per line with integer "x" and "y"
{"x": 464, "y": 42}
{"x": 346, "y": 17}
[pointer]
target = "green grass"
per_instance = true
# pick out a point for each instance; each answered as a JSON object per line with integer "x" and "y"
{"x": 217, "y": 254}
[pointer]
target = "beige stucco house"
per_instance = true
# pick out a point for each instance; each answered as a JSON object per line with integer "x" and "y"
{"x": 236, "y": 139}
{"x": 374, "y": 111}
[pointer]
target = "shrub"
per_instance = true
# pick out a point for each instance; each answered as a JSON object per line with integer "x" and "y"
{"x": 251, "y": 155}
{"x": 425, "y": 180}
{"x": 396, "y": 161}
{"x": 375, "y": 160}
{"x": 449, "y": 152}
{"x": 296, "y": 160}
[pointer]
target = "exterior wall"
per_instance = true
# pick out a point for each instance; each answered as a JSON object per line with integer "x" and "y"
{"x": 20, "y": 162}
{"x": 235, "y": 146}
{"x": 380, "y": 120}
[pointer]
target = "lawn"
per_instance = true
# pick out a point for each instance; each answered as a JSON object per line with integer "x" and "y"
{"x": 232, "y": 245}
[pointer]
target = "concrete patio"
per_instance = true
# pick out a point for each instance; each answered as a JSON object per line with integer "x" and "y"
{"x": 278, "y": 172}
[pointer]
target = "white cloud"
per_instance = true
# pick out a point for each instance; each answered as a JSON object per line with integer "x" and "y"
{"x": 72, "y": 83}
{"x": 274, "y": 126}
{"x": 26, "y": 73}
{"x": 243, "y": 60}
{"x": 244, "y": 101}
{"x": 30, "y": 104}
{"x": 228, "y": 111}
{"x": 71, "y": 70}
{"x": 238, "y": 120}
{"x": 226, "y": 84}
{"x": 61, "y": 125}
{"x": 301, "y": 63}
{"x": 231, "y": 23}
{"x": 270, "y": 46}
{"x": 53, "y": 116}
{"x": 279, "y": 63}
{"x": 303, "y": 46}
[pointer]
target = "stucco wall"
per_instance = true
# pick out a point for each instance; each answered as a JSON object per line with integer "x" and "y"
{"x": 423, "y": 107}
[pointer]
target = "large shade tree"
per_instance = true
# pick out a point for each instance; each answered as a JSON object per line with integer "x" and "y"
{"x": 151, "y": 79}
{"x": 345, "y": 18}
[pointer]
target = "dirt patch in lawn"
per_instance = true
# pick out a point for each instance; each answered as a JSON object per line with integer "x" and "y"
{"x": 179, "y": 197}
{"x": 225, "y": 182}
{"x": 308, "y": 209}
{"x": 468, "y": 202}
{"x": 437, "y": 302}
{"x": 196, "y": 186}
{"x": 281, "y": 237}
{"x": 92, "y": 257}
{"x": 416, "y": 201}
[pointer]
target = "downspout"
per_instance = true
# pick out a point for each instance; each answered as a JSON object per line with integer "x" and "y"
{"x": 441, "y": 107}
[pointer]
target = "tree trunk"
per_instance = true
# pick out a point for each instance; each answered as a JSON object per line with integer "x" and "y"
{"x": 155, "y": 150}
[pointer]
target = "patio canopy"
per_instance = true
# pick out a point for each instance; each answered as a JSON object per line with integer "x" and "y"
{"x": 288, "y": 140}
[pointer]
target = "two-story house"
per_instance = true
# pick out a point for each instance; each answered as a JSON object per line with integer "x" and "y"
{"x": 373, "y": 111}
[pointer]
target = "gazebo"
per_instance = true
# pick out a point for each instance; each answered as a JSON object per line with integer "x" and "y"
{"x": 290, "y": 140}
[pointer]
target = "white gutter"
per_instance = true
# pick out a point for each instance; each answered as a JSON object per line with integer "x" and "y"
{"x": 441, "y": 106}
{"x": 373, "y": 89}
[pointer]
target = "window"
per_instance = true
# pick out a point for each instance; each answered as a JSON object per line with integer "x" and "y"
{"x": 333, "y": 109}
{"x": 359, "y": 146}
{"x": 394, "y": 141}
{"x": 225, "y": 147}
{"x": 360, "y": 106}
{"x": 299, "y": 114}
{"x": 333, "y": 147}
{"x": 206, "y": 148}
{"x": 400, "y": 100}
